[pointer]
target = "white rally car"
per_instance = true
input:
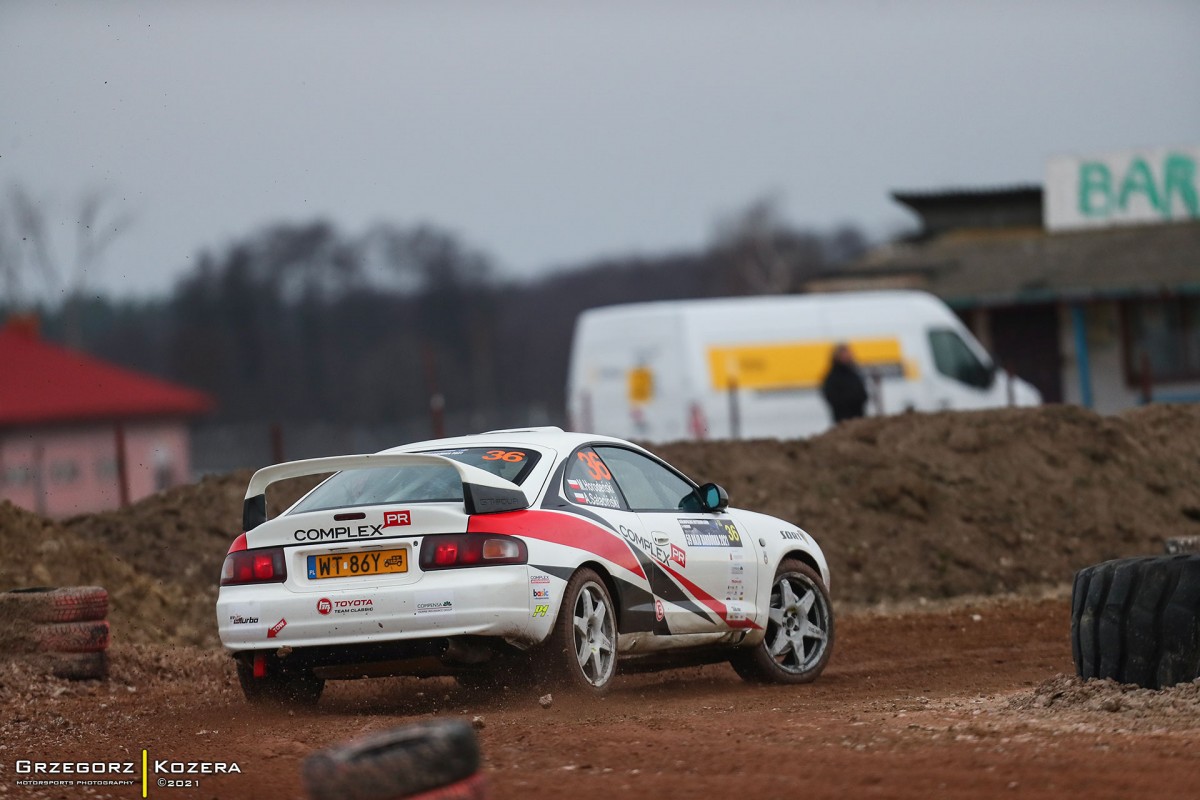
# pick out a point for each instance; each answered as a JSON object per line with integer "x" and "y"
{"x": 549, "y": 553}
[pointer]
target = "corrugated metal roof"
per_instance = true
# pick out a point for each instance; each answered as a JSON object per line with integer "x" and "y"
{"x": 1021, "y": 265}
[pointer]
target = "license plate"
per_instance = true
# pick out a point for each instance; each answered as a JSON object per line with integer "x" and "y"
{"x": 350, "y": 565}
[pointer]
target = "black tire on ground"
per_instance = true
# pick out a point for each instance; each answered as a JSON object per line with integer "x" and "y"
{"x": 72, "y": 637}
{"x": 401, "y": 762}
{"x": 800, "y": 630}
{"x": 47, "y": 604}
{"x": 1137, "y": 620}
{"x": 279, "y": 686}
{"x": 78, "y": 666}
{"x": 581, "y": 651}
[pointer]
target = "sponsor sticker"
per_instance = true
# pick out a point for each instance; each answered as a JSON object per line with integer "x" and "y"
{"x": 541, "y": 594}
{"x": 710, "y": 533}
{"x": 659, "y": 611}
{"x": 356, "y": 605}
{"x": 434, "y": 603}
{"x": 791, "y": 535}
{"x": 391, "y": 519}
{"x": 274, "y": 630}
{"x": 540, "y": 610}
{"x": 679, "y": 555}
{"x": 539, "y": 578}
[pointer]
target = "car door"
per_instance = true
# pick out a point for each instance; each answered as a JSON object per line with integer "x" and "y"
{"x": 704, "y": 577}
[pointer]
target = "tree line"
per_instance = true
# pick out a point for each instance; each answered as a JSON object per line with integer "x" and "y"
{"x": 303, "y": 322}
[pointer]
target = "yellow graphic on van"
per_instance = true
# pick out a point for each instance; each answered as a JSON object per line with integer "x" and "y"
{"x": 799, "y": 365}
{"x": 641, "y": 385}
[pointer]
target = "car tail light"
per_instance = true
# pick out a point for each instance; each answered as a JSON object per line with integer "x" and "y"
{"x": 449, "y": 551}
{"x": 264, "y": 565}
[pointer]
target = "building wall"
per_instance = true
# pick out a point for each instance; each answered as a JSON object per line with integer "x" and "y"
{"x": 60, "y": 471}
{"x": 1105, "y": 357}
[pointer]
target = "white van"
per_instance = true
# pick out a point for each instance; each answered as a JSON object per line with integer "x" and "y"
{"x": 751, "y": 367}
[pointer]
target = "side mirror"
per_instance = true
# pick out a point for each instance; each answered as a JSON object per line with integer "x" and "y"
{"x": 714, "y": 497}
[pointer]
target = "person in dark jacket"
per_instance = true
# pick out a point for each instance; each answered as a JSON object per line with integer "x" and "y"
{"x": 843, "y": 388}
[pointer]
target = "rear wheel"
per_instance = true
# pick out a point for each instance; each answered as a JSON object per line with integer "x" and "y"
{"x": 583, "y": 643}
{"x": 280, "y": 687}
{"x": 799, "y": 634}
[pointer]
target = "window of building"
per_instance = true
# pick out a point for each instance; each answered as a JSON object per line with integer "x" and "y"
{"x": 18, "y": 476}
{"x": 64, "y": 471}
{"x": 1163, "y": 335}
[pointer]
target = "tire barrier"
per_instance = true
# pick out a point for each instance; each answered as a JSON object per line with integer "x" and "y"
{"x": 434, "y": 760}
{"x": 64, "y": 631}
{"x": 1137, "y": 620}
{"x": 45, "y": 604}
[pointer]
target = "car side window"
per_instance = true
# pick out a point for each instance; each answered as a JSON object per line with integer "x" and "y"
{"x": 955, "y": 360}
{"x": 646, "y": 484}
{"x": 588, "y": 482}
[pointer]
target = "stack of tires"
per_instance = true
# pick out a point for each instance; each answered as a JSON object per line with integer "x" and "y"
{"x": 64, "y": 630}
{"x": 434, "y": 760}
{"x": 1137, "y": 620}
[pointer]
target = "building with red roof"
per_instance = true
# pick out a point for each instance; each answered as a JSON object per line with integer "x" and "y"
{"x": 78, "y": 434}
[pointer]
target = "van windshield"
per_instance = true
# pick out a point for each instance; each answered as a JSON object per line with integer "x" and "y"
{"x": 416, "y": 483}
{"x": 954, "y": 359}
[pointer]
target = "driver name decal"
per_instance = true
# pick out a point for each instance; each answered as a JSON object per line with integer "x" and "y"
{"x": 710, "y": 533}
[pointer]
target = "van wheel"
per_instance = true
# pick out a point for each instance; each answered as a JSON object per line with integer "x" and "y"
{"x": 799, "y": 636}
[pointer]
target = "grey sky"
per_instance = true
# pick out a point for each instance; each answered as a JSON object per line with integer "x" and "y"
{"x": 548, "y": 133}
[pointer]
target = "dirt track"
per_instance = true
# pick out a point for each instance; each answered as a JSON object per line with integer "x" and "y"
{"x": 944, "y": 697}
{"x": 929, "y": 703}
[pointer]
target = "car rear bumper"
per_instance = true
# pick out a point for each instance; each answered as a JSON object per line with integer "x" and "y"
{"x": 485, "y": 601}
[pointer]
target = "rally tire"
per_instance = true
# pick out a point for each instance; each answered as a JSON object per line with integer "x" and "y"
{"x": 581, "y": 651}
{"x": 1137, "y": 620}
{"x": 800, "y": 630}
{"x": 402, "y": 762}
{"x": 72, "y": 637}
{"x": 279, "y": 687}
{"x": 48, "y": 605}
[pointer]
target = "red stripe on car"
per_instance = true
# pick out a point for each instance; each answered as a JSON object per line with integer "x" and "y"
{"x": 559, "y": 528}
{"x": 716, "y": 605}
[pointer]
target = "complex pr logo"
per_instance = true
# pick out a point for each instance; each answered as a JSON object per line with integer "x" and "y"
{"x": 393, "y": 518}
{"x": 324, "y": 606}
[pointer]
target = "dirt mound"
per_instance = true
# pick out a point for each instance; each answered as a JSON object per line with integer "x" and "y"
{"x": 940, "y": 505}
{"x": 1069, "y": 693}
{"x": 38, "y": 552}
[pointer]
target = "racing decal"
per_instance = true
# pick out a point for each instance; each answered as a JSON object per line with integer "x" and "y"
{"x": 791, "y": 535}
{"x": 392, "y": 519}
{"x": 245, "y": 613}
{"x": 678, "y": 555}
{"x": 540, "y": 611}
{"x": 710, "y": 533}
{"x": 659, "y": 612}
{"x": 338, "y": 533}
{"x": 511, "y": 456}
{"x": 594, "y": 493}
{"x": 595, "y": 466}
{"x": 435, "y": 603}
{"x": 359, "y": 605}
{"x": 557, "y": 527}
{"x": 541, "y": 594}
{"x": 539, "y": 579}
{"x": 736, "y": 587}
{"x": 274, "y": 630}
{"x": 733, "y": 620}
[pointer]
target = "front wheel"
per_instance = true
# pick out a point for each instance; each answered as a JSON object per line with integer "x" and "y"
{"x": 583, "y": 644}
{"x": 799, "y": 635}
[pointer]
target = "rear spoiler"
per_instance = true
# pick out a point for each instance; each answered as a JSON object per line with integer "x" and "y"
{"x": 483, "y": 492}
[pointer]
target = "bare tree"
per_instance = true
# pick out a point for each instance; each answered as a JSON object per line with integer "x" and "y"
{"x": 26, "y": 248}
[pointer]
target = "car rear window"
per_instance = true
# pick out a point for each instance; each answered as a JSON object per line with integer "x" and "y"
{"x": 423, "y": 483}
